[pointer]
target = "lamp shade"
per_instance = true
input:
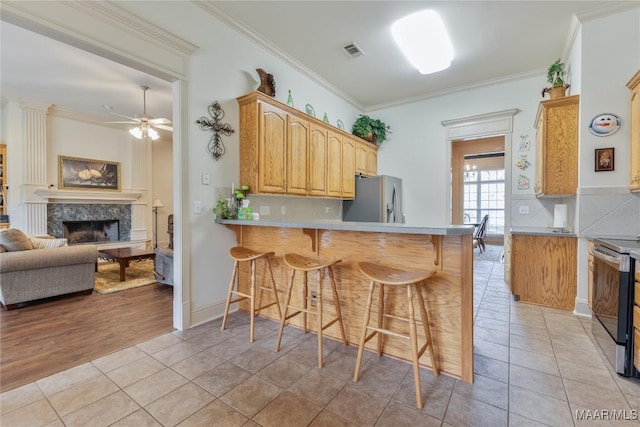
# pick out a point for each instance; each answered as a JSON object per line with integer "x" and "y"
{"x": 157, "y": 203}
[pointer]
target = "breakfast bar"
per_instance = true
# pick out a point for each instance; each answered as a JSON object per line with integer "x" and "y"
{"x": 448, "y": 295}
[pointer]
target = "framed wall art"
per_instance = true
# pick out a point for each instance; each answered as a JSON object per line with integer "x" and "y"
{"x": 87, "y": 174}
{"x": 604, "y": 159}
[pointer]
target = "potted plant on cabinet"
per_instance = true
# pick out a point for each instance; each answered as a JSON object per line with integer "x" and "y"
{"x": 372, "y": 130}
{"x": 555, "y": 76}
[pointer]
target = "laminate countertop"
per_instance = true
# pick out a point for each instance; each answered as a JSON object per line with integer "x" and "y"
{"x": 541, "y": 231}
{"x": 373, "y": 227}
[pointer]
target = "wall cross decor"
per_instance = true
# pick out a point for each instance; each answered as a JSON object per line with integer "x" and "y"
{"x": 215, "y": 147}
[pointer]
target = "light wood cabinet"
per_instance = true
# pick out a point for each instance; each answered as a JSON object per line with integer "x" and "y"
{"x": 543, "y": 270}
{"x": 557, "y": 147}
{"x": 634, "y": 140}
{"x": 334, "y": 165}
{"x": 285, "y": 151}
{"x": 348, "y": 168}
{"x": 4, "y": 219}
{"x": 366, "y": 159}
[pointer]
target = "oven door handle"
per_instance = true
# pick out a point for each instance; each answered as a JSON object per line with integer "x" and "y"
{"x": 611, "y": 260}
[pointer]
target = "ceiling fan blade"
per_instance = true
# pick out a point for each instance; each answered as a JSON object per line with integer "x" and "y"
{"x": 135, "y": 120}
{"x": 160, "y": 121}
{"x": 169, "y": 128}
{"x": 129, "y": 122}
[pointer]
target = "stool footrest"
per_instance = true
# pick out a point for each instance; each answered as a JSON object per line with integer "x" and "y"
{"x": 241, "y": 294}
{"x": 326, "y": 325}
{"x": 404, "y": 319}
{"x": 265, "y": 306}
{"x": 238, "y": 299}
{"x": 388, "y": 332}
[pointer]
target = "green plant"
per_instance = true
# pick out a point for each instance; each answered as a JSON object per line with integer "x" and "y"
{"x": 222, "y": 208}
{"x": 556, "y": 73}
{"x": 373, "y": 130}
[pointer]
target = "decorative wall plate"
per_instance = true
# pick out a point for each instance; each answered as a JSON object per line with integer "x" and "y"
{"x": 309, "y": 109}
{"x": 604, "y": 124}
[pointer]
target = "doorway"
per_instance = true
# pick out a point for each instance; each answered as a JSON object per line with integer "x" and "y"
{"x": 478, "y": 184}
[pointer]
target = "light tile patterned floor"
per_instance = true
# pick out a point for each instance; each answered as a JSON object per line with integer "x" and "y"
{"x": 534, "y": 367}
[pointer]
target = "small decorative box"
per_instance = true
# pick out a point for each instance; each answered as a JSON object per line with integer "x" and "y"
{"x": 245, "y": 213}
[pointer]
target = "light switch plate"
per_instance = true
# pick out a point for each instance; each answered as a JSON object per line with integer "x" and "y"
{"x": 264, "y": 210}
{"x": 283, "y": 210}
{"x": 197, "y": 207}
{"x": 206, "y": 178}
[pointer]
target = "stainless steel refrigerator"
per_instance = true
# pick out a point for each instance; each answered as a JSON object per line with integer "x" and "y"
{"x": 378, "y": 199}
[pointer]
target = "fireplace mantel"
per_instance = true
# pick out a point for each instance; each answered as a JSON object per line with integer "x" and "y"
{"x": 88, "y": 196}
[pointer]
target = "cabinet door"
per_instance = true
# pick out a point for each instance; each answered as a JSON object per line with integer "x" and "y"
{"x": 348, "y": 168}
{"x": 539, "y": 157}
{"x": 634, "y": 148}
{"x": 543, "y": 270}
{"x": 334, "y": 165}
{"x": 317, "y": 183}
{"x": 361, "y": 158}
{"x": 272, "y": 149}
{"x": 372, "y": 162}
{"x": 297, "y": 154}
{"x": 557, "y": 139}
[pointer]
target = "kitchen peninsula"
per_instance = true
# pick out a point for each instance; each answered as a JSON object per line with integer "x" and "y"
{"x": 448, "y": 295}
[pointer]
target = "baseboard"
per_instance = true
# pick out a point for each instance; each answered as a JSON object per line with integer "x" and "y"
{"x": 210, "y": 312}
{"x": 582, "y": 308}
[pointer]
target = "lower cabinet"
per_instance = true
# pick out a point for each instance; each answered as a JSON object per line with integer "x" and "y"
{"x": 543, "y": 270}
{"x": 636, "y": 320}
{"x": 590, "y": 272}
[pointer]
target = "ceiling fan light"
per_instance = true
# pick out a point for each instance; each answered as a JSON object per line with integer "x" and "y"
{"x": 423, "y": 40}
{"x": 153, "y": 134}
{"x": 136, "y": 131}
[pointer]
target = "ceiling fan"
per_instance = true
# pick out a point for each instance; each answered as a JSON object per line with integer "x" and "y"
{"x": 145, "y": 123}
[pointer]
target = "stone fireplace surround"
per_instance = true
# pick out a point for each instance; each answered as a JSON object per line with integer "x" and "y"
{"x": 57, "y": 213}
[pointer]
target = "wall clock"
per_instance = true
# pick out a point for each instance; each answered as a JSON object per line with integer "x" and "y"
{"x": 604, "y": 124}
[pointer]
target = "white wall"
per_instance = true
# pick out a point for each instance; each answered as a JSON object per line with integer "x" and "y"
{"x": 417, "y": 149}
{"x": 162, "y": 185}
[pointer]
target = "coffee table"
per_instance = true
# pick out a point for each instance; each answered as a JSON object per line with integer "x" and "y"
{"x": 124, "y": 256}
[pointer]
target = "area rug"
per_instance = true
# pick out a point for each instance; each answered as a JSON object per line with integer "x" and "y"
{"x": 136, "y": 275}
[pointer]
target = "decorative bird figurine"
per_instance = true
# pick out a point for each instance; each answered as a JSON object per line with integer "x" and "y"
{"x": 267, "y": 83}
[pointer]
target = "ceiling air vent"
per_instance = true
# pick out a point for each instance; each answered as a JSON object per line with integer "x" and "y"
{"x": 353, "y": 50}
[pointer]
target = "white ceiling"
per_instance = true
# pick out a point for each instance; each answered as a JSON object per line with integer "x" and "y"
{"x": 493, "y": 40}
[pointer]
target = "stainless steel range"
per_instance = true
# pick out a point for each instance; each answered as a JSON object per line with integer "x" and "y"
{"x": 612, "y": 301}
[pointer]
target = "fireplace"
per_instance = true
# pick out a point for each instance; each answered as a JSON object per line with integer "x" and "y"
{"x": 100, "y": 231}
{"x": 102, "y": 222}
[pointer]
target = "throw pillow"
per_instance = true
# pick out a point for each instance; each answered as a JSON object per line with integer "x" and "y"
{"x": 15, "y": 240}
{"x": 47, "y": 242}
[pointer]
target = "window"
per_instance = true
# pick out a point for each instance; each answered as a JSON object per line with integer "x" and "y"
{"x": 484, "y": 194}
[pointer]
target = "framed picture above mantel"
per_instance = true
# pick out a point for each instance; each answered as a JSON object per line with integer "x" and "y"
{"x": 88, "y": 174}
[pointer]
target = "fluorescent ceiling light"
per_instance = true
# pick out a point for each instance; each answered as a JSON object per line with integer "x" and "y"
{"x": 423, "y": 39}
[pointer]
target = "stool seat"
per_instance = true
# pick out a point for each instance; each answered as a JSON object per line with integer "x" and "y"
{"x": 302, "y": 263}
{"x": 305, "y": 264}
{"x": 240, "y": 253}
{"x": 393, "y": 276}
{"x": 381, "y": 276}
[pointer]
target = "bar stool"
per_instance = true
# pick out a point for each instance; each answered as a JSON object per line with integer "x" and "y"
{"x": 240, "y": 254}
{"x": 387, "y": 276}
{"x": 300, "y": 263}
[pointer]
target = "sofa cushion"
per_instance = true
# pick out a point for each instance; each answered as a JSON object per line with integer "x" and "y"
{"x": 47, "y": 243}
{"x": 15, "y": 240}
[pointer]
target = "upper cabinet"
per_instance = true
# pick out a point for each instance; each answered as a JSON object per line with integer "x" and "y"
{"x": 557, "y": 147}
{"x": 634, "y": 120}
{"x": 285, "y": 151}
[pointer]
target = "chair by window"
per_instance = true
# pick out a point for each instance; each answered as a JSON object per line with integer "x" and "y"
{"x": 480, "y": 234}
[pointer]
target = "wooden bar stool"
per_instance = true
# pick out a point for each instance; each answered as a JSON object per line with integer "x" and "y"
{"x": 240, "y": 254}
{"x": 387, "y": 276}
{"x": 304, "y": 264}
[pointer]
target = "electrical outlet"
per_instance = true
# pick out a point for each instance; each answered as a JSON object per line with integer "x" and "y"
{"x": 264, "y": 210}
{"x": 206, "y": 178}
{"x": 327, "y": 209}
{"x": 197, "y": 207}
{"x": 524, "y": 210}
{"x": 283, "y": 210}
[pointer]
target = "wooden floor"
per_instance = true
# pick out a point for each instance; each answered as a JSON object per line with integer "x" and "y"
{"x": 47, "y": 337}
